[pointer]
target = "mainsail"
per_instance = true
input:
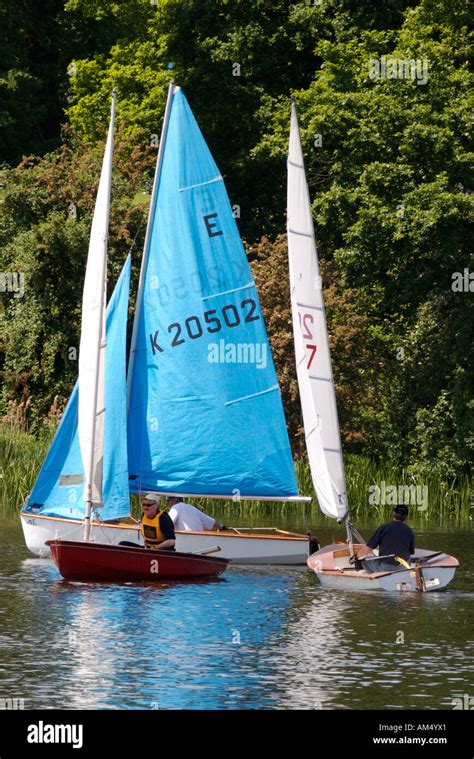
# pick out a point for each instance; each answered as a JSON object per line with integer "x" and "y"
{"x": 313, "y": 360}
{"x": 93, "y": 339}
{"x": 59, "y": 488}
{"x": 205, "y": 412}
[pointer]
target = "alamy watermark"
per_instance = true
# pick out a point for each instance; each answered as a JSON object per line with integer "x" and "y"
{"x": 12, "y": 282}
{"x": 12, "y": 703}
{"x": 393, "y": 495}
{"x": 399, "y": 68}
{"x": 463, "y": 282}
{"x": 42, "y": 732}
{"x": 465, "y": 702}
{"x": 238, "y": 353}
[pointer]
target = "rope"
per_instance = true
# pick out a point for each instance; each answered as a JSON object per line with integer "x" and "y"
{"x": 136, "y": 235}
{"x": 101, "y": 526}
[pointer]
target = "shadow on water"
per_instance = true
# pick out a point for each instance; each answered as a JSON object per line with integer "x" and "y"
{"x": 258, "y": 638}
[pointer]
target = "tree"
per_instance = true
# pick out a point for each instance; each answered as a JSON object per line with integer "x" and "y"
{"x": 385, "y": 98}
{"x": 389, "y": 173}
{"x": 44, "y": 233}
{"x": 234, "y": 60}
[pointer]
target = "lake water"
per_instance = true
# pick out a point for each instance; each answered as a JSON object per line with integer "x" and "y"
{"x": 260, "y": 638}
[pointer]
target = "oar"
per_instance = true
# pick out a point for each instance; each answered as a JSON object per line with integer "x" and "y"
{"x": 430, "y": 556}
{"x": 205, "y": 551}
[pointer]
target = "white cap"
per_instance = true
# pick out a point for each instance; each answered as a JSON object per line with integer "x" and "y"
{"x": 151, "y": 497}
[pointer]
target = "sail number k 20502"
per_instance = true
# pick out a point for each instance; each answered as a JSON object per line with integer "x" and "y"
{"x": 210, "y": 322}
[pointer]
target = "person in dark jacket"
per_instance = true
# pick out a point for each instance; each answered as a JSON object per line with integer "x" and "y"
{"x": 395, "y": 537}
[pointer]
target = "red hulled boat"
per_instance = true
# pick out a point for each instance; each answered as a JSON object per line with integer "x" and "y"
{"x": 84, "y": 562}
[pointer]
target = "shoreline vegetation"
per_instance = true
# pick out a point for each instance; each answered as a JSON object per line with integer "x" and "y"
{"x": 371, "y": 488}
{"x": 384, "y": 96}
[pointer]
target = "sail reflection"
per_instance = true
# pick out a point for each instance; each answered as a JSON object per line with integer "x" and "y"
{"x": 262, "y": 638}
{"x": 194, "y": 645}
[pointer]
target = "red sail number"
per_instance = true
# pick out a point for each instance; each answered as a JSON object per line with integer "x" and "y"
{"x": 305, "y": 321}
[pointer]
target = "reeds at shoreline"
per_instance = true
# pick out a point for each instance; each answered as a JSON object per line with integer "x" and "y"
{"x": 370, "y": 488}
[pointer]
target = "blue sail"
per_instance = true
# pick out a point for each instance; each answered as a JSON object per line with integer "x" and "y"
{"x": 205, "y": 411}
{"x": 59, "y": 488}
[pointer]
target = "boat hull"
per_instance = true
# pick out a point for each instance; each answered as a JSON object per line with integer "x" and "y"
{"x": 277, "y": 547}
{"x": 332, "y": 567}
{"x": 38, "y": 530}
{"x": 88, "y": 562}
{"x": 400, "y": 582}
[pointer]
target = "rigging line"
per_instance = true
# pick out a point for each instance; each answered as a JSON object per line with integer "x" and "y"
{"x": 226, "y": 292}
{"x": 69, "y": 532}
{"x": 102, "y": 526}
{"x": 253, "y": 395}
{"x": 300, "y": 234}
{"x": 136, "y": 235}
{"x": 201, "y": 184}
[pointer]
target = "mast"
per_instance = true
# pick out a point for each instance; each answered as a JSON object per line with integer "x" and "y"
{"x": 146, "y": 247}
{"x": 91, "y": 415}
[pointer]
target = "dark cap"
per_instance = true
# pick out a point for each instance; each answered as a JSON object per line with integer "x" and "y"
{"x": 401, "y": 509}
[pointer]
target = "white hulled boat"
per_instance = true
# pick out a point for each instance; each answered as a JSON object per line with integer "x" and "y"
{"x": 335, "y": 565}
{"x": 205, "y": 417}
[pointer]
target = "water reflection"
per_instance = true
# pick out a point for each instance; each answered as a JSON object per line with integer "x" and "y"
{"x": 261, "y": 638}
{"x": 376, "y": 650}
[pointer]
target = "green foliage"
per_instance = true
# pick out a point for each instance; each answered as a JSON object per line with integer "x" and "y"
{"x": 393, "y": 207}
{"x": 388, "y": 162}
{"x": 233, "y": 58}
{"x": 448, "y": 499}
{"x": 38, "y": 44}
{"x": 44, "y": 231}
{"x": 21, "y": 456}
{"x": 358, "y": 351}
{"x": 29, "y": 116}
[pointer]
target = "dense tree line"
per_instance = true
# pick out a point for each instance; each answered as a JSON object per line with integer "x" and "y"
{"x": 388, "y": 161}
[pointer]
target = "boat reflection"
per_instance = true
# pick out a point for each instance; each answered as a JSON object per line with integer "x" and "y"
{"x": 359, "y": 650}
{"x": 261, "y": 638}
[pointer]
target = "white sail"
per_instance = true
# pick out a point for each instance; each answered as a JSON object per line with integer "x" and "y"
{"x": 91, "y": 409}
{"x": 313, "y": 360}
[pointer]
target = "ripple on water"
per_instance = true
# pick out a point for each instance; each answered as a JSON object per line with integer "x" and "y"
{"x": 261, "y": 638}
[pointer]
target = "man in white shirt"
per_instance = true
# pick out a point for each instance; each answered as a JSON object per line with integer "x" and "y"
{"x": 188, "y": 518}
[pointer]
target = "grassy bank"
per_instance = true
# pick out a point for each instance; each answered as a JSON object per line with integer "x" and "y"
{"x": 21, "y": 457}
{"x": 430, "y": 498}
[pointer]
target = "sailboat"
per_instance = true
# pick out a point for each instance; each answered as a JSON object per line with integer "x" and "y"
{"x": 205, "y": 416}
{"x": 84, "y": 560}
{"x": 58, "y": 507}
{"x": 335, "y": 565}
